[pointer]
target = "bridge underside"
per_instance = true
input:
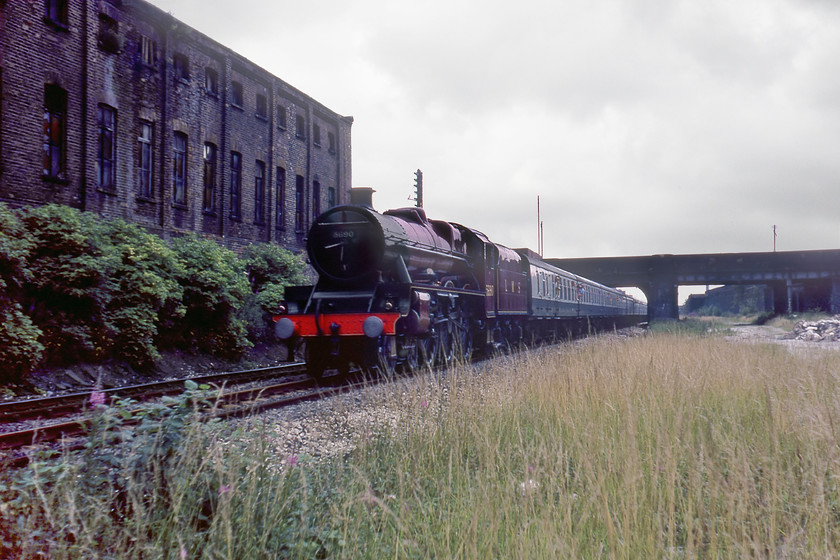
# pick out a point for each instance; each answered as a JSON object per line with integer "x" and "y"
{"x": 800, "y": 280}
{"x": 788, "y": 297}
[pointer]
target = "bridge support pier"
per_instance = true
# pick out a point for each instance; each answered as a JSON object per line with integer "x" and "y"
{"x": 834, "y": 298}
{"x": 663, "y": 300}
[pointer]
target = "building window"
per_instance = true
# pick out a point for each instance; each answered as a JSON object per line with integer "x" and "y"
{"x": 262, "y": 108}
{"x": 331, "y": 140}
{"x": 330, "y": 197}
{"x": 107, "y": 152}
{"x": 209, "y": 177}
{"x": 211, "y": 81}
{"x": 148, "y": 50}
{"x": 179, "y": 168}
{"x": 280, "y": 213}
{"x": 109, "y": 37}
{"x": 281, "y": 116}
{"x": 316, "y": 199}
{"x": 144, "y": 158}
{"x": 235, "y": 185}
{"x": 55, "y": 114}
{"x": 299, "y": 203}
{"x": 316, "y": 135}
{"x": 236, "y": 97}
{"x": 300, "y": 126}
{"x": 259, "y": 192}
{"x": 55, "y": 12}
{"x": 181, "y": 66}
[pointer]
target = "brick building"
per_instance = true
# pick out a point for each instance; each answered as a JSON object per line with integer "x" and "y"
{"x": 116, "y": 107}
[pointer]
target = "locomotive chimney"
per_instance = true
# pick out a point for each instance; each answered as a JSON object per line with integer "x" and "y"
{"x": 362, "y": 196}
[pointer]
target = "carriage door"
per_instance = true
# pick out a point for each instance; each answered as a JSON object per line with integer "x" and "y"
{"x": 491, "y": 278}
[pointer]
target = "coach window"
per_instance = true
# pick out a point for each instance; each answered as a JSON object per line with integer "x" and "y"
{"x": 107, "y": 149}
{"x": 55, "y": 115}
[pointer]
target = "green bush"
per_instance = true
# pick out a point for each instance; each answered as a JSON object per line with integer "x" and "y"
{"x": 67, "y": 293}
{"x": 75, "y": 287}
{"x": 98, "y": 286}
{"x": 214, "y": 286}
{"x": 141, "y": 285}
{"x": 22, "y": 351}
{"x": 270, "y": 269}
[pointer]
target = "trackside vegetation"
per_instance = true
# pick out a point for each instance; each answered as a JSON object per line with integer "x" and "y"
{"x": 670, "y": 445}
{"x": 75, "y": 287}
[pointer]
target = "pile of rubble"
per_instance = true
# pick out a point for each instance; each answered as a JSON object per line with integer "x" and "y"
{"x": 825, "y": 330}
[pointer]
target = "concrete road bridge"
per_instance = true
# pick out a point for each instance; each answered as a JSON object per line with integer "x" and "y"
{"x": 800, "y": 280}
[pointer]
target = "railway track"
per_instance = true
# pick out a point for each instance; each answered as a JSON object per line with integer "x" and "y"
{"x": 63, "y": 405}
{"x": 227, "y": 403}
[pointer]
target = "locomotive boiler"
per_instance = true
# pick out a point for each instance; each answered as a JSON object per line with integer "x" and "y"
{"x": 397, "y": 289}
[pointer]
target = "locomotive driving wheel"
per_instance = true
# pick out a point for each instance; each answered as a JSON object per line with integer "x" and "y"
{"x": 408, "y": 351}
{"x": 462, "y": 338}
{"x": 446, "y": 344}
{"x": 427, "y": 349}
{"x": 387, "y": 358}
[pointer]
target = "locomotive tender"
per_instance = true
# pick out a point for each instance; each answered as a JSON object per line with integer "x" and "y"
{"x": 398, "y": 289}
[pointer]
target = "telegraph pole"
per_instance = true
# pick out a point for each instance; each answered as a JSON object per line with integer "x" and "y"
{"x": 418, "y": 189}
{"x": 774, "y": 238}
{"x": 539, "y": 228}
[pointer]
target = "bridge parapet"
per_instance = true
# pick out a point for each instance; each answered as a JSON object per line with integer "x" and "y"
{"x": 659, "y": 276}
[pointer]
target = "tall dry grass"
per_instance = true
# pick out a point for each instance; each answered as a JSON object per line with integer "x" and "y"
{"x": 664, "y": 446}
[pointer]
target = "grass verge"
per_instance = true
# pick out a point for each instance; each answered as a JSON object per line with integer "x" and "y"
{"x": 670, "y": 445}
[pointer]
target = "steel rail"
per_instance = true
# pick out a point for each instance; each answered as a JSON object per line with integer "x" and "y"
{"x": 62, "y": 405}
{"x": 226, "y": 405}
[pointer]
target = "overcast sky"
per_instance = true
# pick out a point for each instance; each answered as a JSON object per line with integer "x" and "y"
{"x": 644, "y": 126}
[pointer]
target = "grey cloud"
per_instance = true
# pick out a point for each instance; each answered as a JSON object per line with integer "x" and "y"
{"x": 645, "y": 126}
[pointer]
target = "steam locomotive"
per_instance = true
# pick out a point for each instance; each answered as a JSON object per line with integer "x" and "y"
{"x": 399, "y": 290}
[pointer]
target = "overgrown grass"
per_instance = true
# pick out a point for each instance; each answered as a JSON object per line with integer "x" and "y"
{"x": 663, "y": 446}
{"x": 693, "y": 326}
{"x": 787, "y": 322}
